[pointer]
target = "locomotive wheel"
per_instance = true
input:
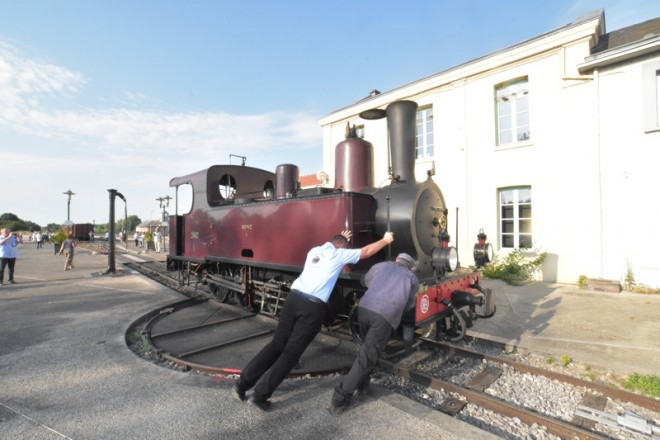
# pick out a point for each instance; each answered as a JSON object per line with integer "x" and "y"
{"x": 454, "y": 326}
{"x": 354, "y": 325}
{"x": 427, "y": 332}
{"x": 184, "y": 276}
{"x": 219, "y": 293}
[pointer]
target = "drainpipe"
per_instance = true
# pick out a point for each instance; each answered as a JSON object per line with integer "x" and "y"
{"x": 600, "y": 170}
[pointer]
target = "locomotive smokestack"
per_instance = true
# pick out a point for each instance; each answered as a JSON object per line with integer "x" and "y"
{"x": 401, "y": 125}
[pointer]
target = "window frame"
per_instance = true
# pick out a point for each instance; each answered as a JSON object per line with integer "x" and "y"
{"x": 651, "y": 96}
{"x": 514, "y": 114}
{"x": 516, "y": 219}
{"x": 424, "y": 125}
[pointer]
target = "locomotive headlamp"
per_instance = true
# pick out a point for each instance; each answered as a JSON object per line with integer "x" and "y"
{"x": 483, "y": 251}
{"x": 444, "y": 259}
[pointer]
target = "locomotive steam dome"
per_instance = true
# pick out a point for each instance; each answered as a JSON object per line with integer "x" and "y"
{"x": 353, "y": 163}
{"x": 286, "y": 180}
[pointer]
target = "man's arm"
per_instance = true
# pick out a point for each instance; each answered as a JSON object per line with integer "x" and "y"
{"x": 376, "y": 246}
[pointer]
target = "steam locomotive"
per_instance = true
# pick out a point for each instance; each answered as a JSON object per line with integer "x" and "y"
{"x": 249, "y": 230}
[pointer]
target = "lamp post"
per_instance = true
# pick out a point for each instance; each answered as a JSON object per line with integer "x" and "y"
{"x": 68, "y": 193}
{"x": 164, "y": 203}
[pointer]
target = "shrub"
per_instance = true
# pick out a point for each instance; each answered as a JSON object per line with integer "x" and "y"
{"x": 57, "y": 238}
{"x": 515, "y": 268}
{"x": 647, "y": 384}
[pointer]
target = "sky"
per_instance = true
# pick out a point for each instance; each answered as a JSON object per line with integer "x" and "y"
{"x": 126, "y": 94}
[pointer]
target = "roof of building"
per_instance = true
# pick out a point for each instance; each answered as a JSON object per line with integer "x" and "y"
{"x": 597, "y": 16}
{"x": 309, "y": 180}
{"x": 627, "y": 35}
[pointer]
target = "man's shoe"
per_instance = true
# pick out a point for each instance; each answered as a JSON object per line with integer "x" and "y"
{"x": 262, "y": 404}
{"x": 338, "y": 403}
{"x": 12, "y": 282}
{"x": 363, "y": 389}
{"x": 239, "y": 392}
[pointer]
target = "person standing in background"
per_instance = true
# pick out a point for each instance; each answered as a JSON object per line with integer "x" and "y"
{"x": 158, "y": 237}
{"x": 8, "y": 253}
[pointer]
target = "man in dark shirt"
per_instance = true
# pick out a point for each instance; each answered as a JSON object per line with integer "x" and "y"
{"x": 392, "y": 288}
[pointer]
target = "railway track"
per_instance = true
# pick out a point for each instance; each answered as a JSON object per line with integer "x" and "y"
{"x": 462, "y": 377}
{"x": 490, "y": 391}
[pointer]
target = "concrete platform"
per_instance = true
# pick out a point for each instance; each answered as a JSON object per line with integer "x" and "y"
{"x": 619, "y": 332}
{"x": 66, "y": 371}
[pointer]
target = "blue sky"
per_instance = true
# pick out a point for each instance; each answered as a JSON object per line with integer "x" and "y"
{"x": 128, "y": 94}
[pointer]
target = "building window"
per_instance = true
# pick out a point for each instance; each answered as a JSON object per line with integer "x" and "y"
{"x": 516, "y": 217}
{"x": 425, "y": 132}
{"x": 651, "y": 94}
{"x": 512, "y": 100}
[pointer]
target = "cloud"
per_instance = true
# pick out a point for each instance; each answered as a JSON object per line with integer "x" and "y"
{"x": 27, "y": 89}
{"x": 53, "y": 142}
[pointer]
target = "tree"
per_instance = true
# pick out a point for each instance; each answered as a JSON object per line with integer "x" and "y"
{"x": 12, "y": 222}
{"x": 8, "y": 216}
{"x": 52, "y": 227}
{"x": 132, "y": 221}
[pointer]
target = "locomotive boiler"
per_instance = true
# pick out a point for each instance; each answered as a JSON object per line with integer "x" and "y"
{"x": 249, "y": 230}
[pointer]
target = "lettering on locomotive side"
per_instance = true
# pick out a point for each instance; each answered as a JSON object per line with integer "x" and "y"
{"x": 246, "y": 227}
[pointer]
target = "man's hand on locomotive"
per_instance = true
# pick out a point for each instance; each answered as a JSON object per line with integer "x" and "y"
{"x": 347, "y": 235}
{"x": 388, "y": 237}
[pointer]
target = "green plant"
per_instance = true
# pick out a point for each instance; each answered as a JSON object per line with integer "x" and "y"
{"x": 590, "y": 376}
{"x": 629, "y": 281}
{"x": 550, "y": 360}
{"x": 647, "y": 384}
{"x": 565, "y": 360}
{"x": 57, "y": 238}
{"x": 582, "y": 282}
{"x": 514, "y": 268}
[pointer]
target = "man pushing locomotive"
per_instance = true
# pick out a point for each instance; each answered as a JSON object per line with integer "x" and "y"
{"x": 302, "y": 316}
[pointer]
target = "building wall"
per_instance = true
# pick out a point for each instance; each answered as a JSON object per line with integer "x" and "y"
{"x": 589, "y": 160}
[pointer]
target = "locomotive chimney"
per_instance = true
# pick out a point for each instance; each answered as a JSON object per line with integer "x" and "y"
{"x": 401, "y": 125}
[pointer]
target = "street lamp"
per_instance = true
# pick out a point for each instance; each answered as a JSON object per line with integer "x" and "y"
{"x": 68, "y": 193}
{"x": 164, "y": 203}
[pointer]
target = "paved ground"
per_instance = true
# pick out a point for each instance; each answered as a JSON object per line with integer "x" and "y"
{"x": 65, "y": 370}
{"x": 614, "y": 331}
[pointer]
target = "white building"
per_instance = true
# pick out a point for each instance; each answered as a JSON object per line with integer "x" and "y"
{"x": 553, "y": 143}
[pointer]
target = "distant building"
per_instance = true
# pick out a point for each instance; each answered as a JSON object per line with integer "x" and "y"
{"x": 151, "y": 225}
{"x": 310, "y": 181}
{"x": 550, "y": 143}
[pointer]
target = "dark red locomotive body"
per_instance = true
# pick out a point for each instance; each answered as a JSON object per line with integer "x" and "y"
{"x": 249, "y": 230}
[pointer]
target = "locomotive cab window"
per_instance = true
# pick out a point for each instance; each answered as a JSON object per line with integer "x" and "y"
{"x": 184, "y": 199}
{"x": 269, "y": 189}
{"x": 227, "y": 187}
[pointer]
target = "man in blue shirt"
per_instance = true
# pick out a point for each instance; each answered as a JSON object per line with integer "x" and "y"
{"x": 301, "y": 317}
{"x": 392, "y": 288}
{"x": 8, "y": 253}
